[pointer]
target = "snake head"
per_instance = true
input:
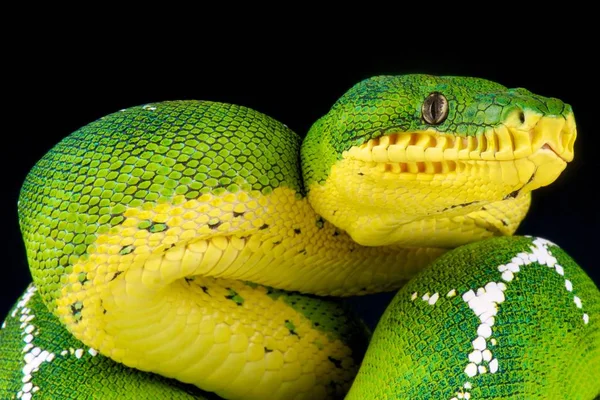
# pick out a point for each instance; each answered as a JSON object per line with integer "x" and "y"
{"x": 400, "y": 154}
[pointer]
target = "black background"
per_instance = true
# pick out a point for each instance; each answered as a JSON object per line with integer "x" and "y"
{"x": 54, "y": 85}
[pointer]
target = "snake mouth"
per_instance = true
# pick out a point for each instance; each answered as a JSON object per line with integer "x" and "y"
{"x": 439, "y": 153}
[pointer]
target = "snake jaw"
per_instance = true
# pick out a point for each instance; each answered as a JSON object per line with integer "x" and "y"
{"x": 397, "y": 182}
{"x": 434, "y": 152}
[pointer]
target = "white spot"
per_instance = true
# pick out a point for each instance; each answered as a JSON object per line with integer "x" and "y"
{"x": 414, "y": 296}
{"x": 64, "y": 353}
{"x": 3, "y": 324}
{"x": 512, "y": 267}
{"x": 467, "y": 395}
{"x": 93, "y": 352}
{"x": 29, "y": 328}
{"x": 425, "y": 297}
{"x": 493, "y": 342}
{"x": 467, "y": 385}
{"x": 451, "y": 293}
{"x": 468, "y": 296}
{"x": 28, "y": 338}
{"x": 27, "y": 347}
{"x": 433, "y": 299}
{"x": 26, "y": 396}
{"x": 27, "y": 387}
{"x": 26, "y": 378}
{"x": 482, "y": 369}
{"x": 577, "y": 301}
{"x": 78, "y": 353}
{"x": 560, "y": 270}
{"x": 484, "y": 330}
{"x": 479, "y": 343}
{"x": 586, "y": 319}
{"x": 475, "y": 357}
{"x": 507, "y": 276}
{"x": 471, "y": 370}
{"x": 487, "y": 355}
{"x": 493, "y": 366}
{"x": 568, "y": 285}
{"x": 36, "y": 351}
{"x": 50, "y": 357}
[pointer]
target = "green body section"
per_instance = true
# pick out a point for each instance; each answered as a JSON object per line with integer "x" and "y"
{"x": 139, "y": 157}
{"x": 542, "y": 326}
{"x": 390, "y": 104}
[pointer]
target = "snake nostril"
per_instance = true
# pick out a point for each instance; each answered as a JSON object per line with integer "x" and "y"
{"x": 522, "y": 116}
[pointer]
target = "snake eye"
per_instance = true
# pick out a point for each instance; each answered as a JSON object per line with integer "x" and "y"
{"x": 435, "y": 108}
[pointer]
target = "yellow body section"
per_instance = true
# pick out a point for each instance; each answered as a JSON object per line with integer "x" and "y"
{"x": 140, "y": 290}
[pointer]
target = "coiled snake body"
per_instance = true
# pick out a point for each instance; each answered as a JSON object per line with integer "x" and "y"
{"x": 176, "y": 238}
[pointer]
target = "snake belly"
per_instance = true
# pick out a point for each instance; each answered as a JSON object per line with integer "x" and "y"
{"x": 175, "y": 237}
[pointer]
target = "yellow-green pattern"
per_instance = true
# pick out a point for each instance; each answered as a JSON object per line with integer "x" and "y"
{"x": 176, "y": 237}
{"x": 40, "y": 359}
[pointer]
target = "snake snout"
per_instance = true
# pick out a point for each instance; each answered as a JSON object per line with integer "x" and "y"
{"x": 556, "y": 134}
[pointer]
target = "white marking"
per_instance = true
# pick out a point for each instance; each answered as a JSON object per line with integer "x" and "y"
{"x": 414, "y": 296}
{"x": 479, "y": 343}
{"x": 484, "y": 330}
{"x": 559, "y": 269}
{"x": 471, "y": 370}
{"x": 468, "y": 296}
{"x": 482, "y": 369}
{"x": 425, "y": 297}
{"x": 508, "y": 276}
{"x": 568, "y": 285}
{"x": 577, "y": 301}
{"x": 493, "y": 342}
{"x": 487, "y": 355}
{"x": 586, "y": 319}
{"x": 475, "y": 357}
{"x": 433, "y": 299}
{"x": 493, "y": 366}
{"x": 451, "y": 293}
{"x": 467, "y": 385}
{"x": 93, "y": 352}
{"x": 34, "y": 356}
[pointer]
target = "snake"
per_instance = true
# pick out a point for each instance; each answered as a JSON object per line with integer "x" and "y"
{"x": 202, "y": 250}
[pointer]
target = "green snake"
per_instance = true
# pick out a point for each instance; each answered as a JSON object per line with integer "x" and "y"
{"x": 183, "y": 249}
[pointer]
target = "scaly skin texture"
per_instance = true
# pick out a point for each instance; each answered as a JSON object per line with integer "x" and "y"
{"x": 157, "y": 234}
{"x": 506, "y": 318}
